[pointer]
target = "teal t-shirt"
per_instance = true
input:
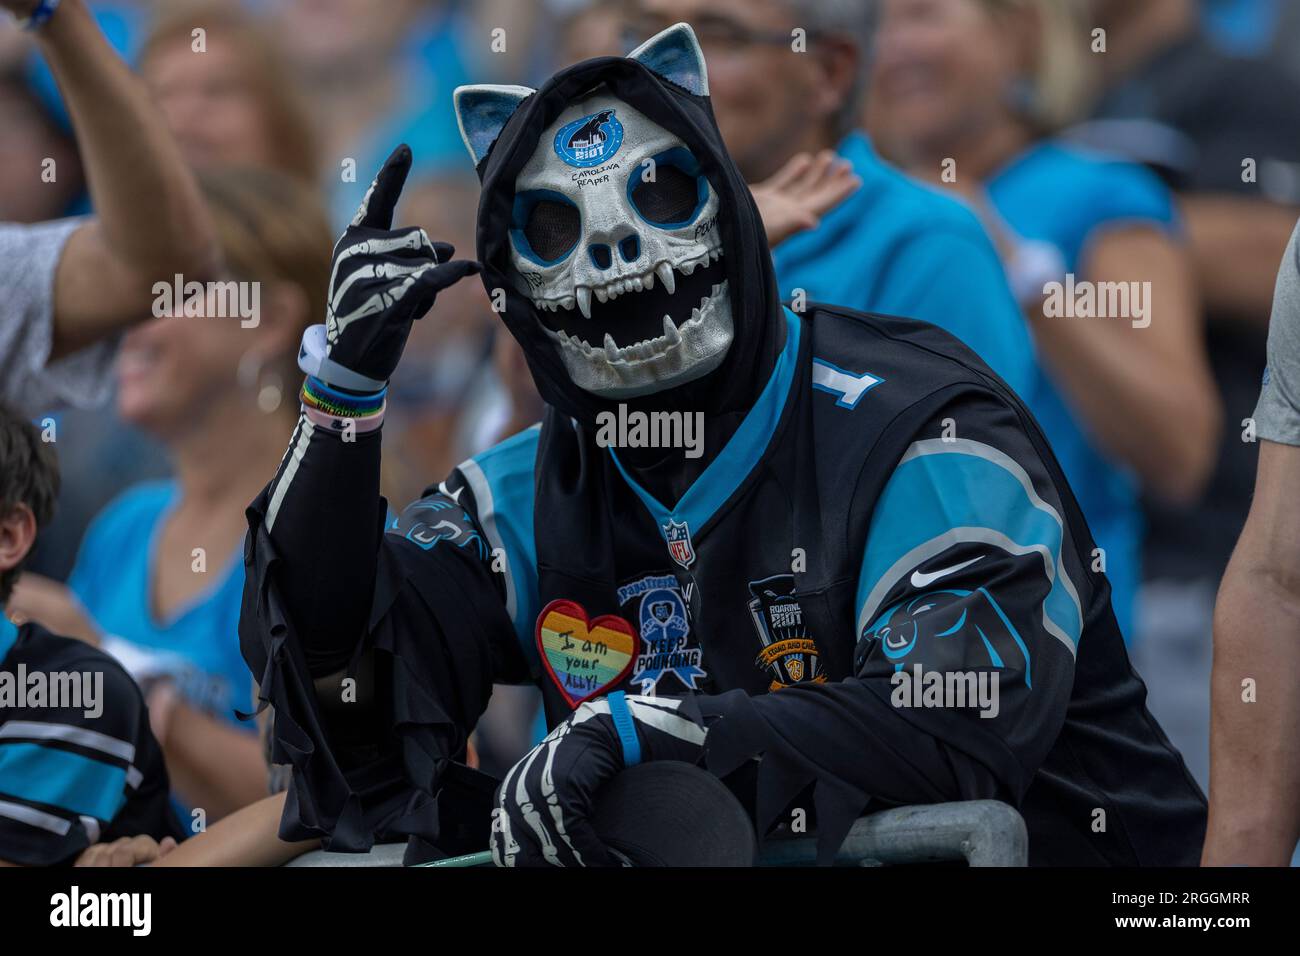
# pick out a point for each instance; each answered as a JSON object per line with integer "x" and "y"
{"x": 199, "y": 644}
{"x": 900, "y": 247}
{"x": 1061, "y": 200}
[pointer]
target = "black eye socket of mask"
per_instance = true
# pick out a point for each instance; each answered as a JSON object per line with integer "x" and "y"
{"x": 552, "y": 229}
{"x": 669, "y": 198}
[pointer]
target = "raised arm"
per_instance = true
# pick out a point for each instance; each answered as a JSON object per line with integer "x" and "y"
{"x": 323, "y": 511}
{"x": 378, "y": 651}
{"x": 150, "y": 221}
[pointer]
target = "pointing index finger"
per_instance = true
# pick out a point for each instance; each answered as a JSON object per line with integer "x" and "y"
{"x": 376, "y": 209}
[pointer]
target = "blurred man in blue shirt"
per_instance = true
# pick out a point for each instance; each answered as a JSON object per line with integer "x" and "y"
{"x": 894, "y": 245}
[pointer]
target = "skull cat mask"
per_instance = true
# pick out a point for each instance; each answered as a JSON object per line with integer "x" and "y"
{"x": 614, "y": 239}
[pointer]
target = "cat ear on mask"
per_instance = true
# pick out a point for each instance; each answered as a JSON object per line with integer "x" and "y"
{"x": 675, "y": 55}
{"x": 482, "y": 111}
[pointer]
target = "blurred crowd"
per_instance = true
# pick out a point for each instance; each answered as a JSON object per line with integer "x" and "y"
{"x": 1110, "y": 141}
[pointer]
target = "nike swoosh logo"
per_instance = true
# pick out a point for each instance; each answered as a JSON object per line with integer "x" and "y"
{"x": 920, "y": 580}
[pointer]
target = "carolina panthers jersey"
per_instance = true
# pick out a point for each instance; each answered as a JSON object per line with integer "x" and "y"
{"x": 78, "y": 763}
{"x": 882, "y": 582}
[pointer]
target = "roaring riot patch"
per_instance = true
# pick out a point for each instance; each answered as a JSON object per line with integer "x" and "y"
{"x": 789, "y": 652}
{"x": 591, "y": 140}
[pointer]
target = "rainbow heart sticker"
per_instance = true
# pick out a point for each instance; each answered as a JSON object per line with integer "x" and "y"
{"x": 584, "y": 657}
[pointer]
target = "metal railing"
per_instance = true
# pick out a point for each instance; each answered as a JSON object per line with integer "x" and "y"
{"x": 980, "y": 832}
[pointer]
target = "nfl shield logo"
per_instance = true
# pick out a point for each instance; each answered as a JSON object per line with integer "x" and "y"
{"x": 678, "y": 536}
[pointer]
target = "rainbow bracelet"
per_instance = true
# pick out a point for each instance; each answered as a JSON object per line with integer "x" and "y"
{"x": 339, "y": 411}
{"x": 317, "y": 393}
{"x": 341, "y": 423}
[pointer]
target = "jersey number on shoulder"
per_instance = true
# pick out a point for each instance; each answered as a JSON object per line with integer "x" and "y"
{"x": 847, "y": 387}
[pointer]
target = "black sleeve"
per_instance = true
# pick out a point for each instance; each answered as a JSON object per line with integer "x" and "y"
{"x": 324, "y": 514}
{"x": 414, "y": 619}
{"x": 970, "y": 603}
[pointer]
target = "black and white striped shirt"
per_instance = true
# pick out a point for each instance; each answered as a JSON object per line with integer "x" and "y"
{"x": 78, "y": 763}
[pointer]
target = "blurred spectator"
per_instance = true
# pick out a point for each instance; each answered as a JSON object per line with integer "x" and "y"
{"x": 1222, "y": 131}
{"x": 1241, "y": 27}
{"x": 377, "y": 75}
{"x": 32, "y": 138}
{"x": 974, "y": 88}
{"x": 160, "y": 573}
{"x": 586, "y": 29}
{"x": 894, "y": 245}
{"x": 63, "y": 781}
{"x": 1255, "y": 769}
{"x": 70, "y": 285}
{"x": 1285, "y": 50}
{"x": 235, "y": 103}
{"x": 123, "y": 24}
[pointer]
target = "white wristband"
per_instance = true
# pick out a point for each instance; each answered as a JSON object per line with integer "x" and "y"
{"x": 313, "y": 360}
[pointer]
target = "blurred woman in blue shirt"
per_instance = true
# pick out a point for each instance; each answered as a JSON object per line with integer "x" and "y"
{"x": 159, "y": 575}
{"x": 966, "y": 94}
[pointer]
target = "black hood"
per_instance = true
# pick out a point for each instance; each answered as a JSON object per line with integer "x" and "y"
{"x": 756, "y": 312}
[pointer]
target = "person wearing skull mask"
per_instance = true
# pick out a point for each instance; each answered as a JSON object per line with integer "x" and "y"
{"x": 872, "y": 505}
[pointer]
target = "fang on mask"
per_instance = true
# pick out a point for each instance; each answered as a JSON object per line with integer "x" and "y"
{"x": 614, "y": 235}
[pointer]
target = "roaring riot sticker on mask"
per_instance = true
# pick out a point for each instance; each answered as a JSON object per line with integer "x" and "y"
{"x": 591, "y": 140}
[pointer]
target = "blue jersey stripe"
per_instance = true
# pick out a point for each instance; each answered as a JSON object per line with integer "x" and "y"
{"x": 742, "y": 453}
{"x": 502, "y": 481}
{"x": 8, "y": 634}
{"x": 942, "y": 493}
{"x": 60, "y": 778}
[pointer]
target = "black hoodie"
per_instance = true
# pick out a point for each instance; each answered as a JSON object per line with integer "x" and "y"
{"x": 759, "y": 328}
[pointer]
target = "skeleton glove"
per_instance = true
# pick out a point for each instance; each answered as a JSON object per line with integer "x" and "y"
{"x": 383, "y": 279}
{"x": 544, "y": 806}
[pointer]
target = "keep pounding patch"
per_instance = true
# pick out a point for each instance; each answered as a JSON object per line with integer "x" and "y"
{"x": 584, "y": 657}
{"x": 661, "y": 610}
